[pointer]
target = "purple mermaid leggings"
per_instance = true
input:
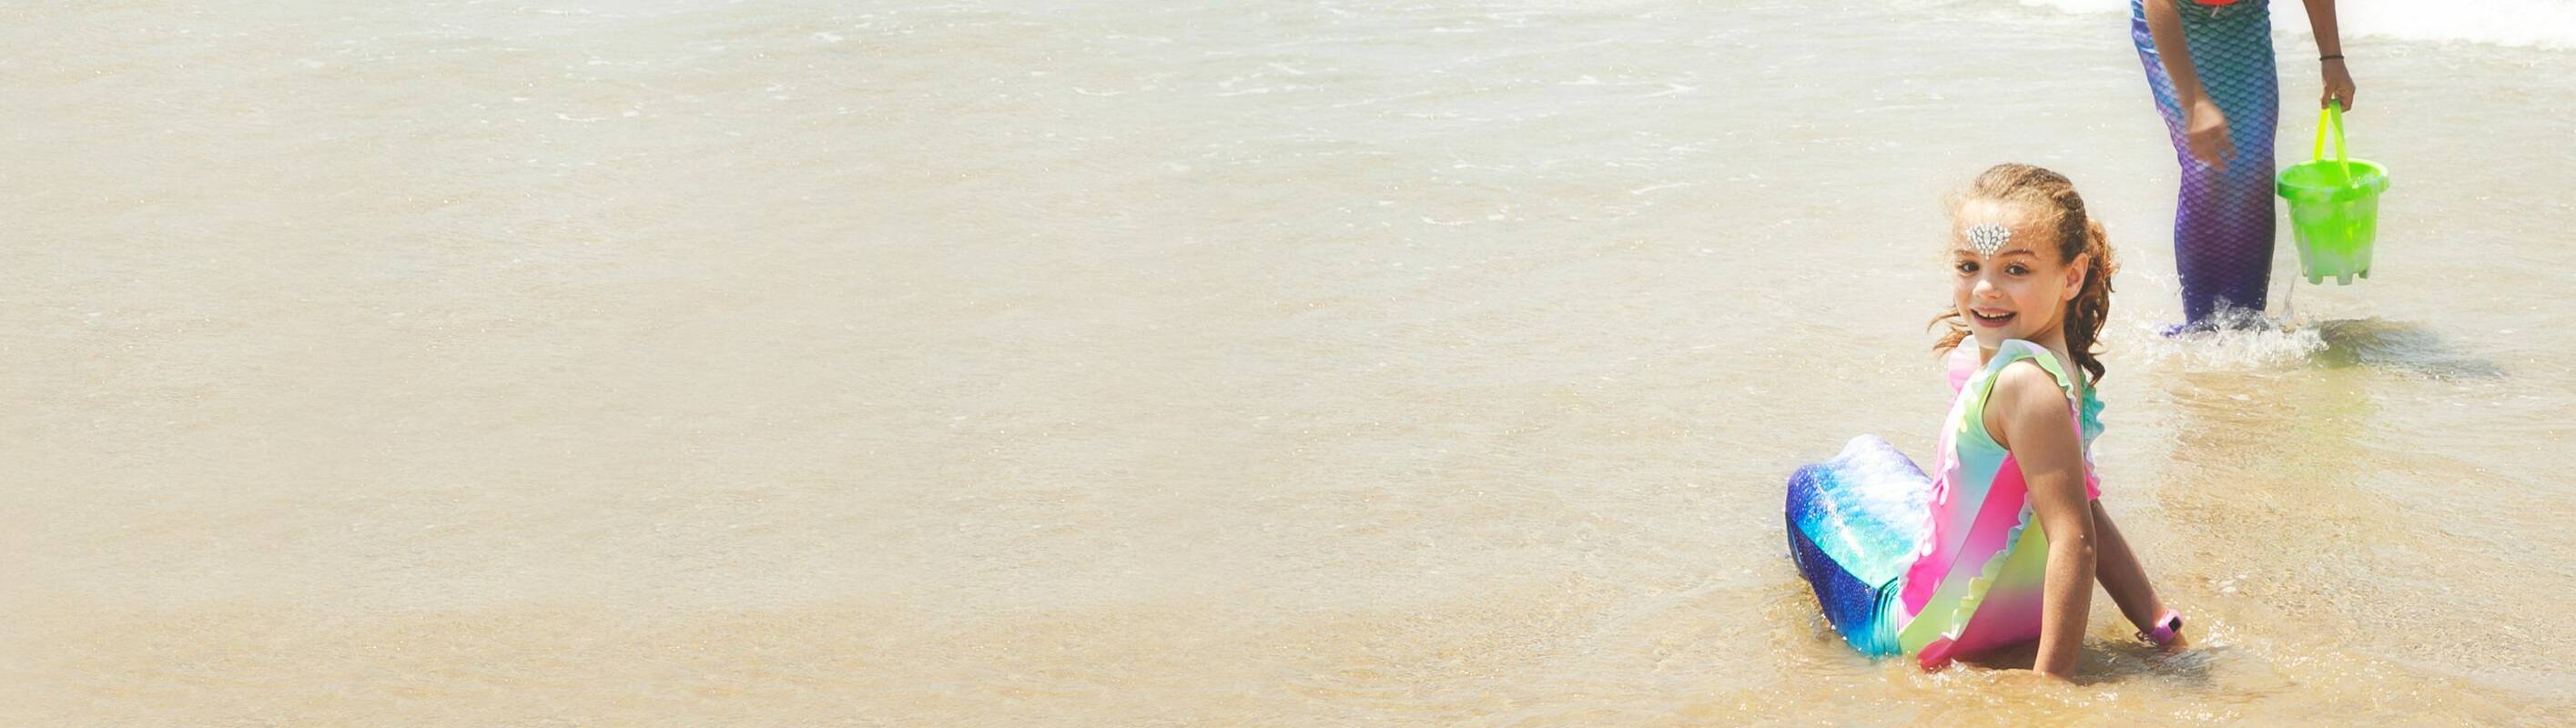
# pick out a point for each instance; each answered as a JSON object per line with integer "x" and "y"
{"x": 2222, "y": 220}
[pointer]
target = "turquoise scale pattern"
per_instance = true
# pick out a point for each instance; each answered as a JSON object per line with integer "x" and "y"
{"x": 1854, "y": 523}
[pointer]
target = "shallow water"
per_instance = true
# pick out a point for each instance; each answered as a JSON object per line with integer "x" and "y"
{"x": 1188, "y": 363}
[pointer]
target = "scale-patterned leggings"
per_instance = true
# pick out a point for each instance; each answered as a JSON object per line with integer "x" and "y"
{"x": 2222, "y": 220}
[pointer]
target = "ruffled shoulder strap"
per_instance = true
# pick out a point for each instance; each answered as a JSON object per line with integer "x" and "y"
{"x": 1980, "y": 385}
{"x": 2014, "y": 350}
{"x": 1960, "y": 364}
{"x": 2090, "y": 417}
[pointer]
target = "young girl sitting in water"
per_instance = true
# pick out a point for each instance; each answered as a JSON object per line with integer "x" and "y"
{"x": 1948, "y": 566}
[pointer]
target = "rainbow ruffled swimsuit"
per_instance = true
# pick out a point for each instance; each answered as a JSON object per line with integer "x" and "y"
{"x": 1933, "y": 566}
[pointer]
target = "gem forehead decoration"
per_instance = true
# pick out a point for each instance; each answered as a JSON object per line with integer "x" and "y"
{"x": 1988, "y": 238}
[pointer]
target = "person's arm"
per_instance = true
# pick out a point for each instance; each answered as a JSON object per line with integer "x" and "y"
{"x": 2030, "y": 415}
{"x": 2338, "y": 80}
{"x": 2125, "y": 577}
{"x": 2204, "y": 126}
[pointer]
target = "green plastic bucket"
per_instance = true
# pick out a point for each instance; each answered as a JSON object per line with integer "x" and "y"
{"x": 2334, "y": 206}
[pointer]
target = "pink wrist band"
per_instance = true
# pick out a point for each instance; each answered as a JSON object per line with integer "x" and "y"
{"x": 2164, "y": 630}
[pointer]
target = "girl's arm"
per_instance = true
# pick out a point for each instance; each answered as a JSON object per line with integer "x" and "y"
{"x": 2204, "y": 126}
{"x": 2028, "y": 413}
{"x": 2338, "y": 81}
{"x": 2125, "y": 578}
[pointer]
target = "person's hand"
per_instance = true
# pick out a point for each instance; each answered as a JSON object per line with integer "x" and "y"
{"x": 2338, "y": 84}
{"x": 2205, "y": 129}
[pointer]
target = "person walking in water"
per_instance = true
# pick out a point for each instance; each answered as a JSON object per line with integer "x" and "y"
{"x": 2210, "y": 65}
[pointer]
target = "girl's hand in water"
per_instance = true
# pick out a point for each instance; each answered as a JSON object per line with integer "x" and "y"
{"x": 2205, "y": 129}
{"x": 2338, "y": 84}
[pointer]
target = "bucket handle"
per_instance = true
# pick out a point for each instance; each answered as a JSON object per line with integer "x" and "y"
{"x": 2331, "y": 116}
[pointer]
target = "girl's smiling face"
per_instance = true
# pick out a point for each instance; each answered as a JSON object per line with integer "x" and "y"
{"x": 2020, "y": 290}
